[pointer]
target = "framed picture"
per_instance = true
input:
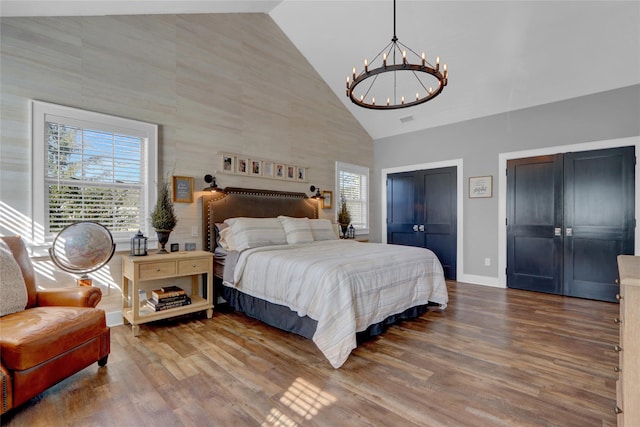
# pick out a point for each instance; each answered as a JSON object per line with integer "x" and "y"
{"x": 256, "y": 167}
{"x": 183, "y": 189}
{"x": 327, "y": 199}
{"x": 480, "y": 187}
{"x": 291, "y": 172}
{"x": 280, "y": 171}
{"x": 302, "y": 174}
{"x": 267, "y": 169}
{"x": 228, "y": 163}
{"x": 243, "y": 165}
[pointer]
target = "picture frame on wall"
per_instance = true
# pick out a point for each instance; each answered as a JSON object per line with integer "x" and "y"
{"x": 280, "y": 171}
{"x": 243, "y": 165}
{"x": 256, "y": 168}
{"x": 480, "y": 187}
{"x": 267, "y": 169}
{"x": 291, "y": 172}
{"x": 228, "y": 163}
{"x": 327, "y": 199}
{"x": 182, "y": 189}
{"x": 301, "y": 174}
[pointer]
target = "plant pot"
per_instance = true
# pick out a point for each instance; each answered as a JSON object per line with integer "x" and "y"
{"x": 163, "y": 238}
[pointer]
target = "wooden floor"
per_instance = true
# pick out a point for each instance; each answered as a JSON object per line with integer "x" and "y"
{"x": 494, "y": 357}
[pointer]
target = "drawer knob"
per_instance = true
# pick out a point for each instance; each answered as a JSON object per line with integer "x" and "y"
{"x": 193, "y": 265}
{"x": 617, "y": 348}
{"x": 617, "y": 410}
{"x": 617, "y": 281}
{"x": 618, "y": 297}
{"x": 617, "y": 320}
{"x": 617, "y": 369}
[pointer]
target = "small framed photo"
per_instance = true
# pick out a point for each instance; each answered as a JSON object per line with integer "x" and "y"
{"x": 291, "y": 172}
{"x": 267, "y": 169}
{"x": 280, "y": 171}
{"x": 327, "y": 199}
{"x": 228, "y": 163}
{"x": 302, "y": 173}
{"x": 256, "y": 167}
{"x": 183, "y": 189}
{"x": 480, "y": 187}
{"x": 243, "y": 165}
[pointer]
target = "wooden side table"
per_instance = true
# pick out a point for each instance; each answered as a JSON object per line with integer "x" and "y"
{"x": 138, "y": 270}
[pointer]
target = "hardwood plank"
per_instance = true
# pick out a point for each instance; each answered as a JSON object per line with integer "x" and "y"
{"x": 500, "y": 357}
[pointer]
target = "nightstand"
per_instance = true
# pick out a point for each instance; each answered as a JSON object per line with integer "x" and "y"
{"x": 138, "y": 272}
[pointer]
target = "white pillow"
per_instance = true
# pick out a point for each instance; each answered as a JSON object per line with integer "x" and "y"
{"x": 297, "y": 230}
{"x": 322, "y": 229}
{"x": 13, "y": 291}
{"x": 255, "y": 232}
{"x": 226, "y": 240}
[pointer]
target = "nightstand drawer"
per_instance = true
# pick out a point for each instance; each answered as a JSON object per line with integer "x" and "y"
{"x": 193, "y": 266}
{"x": 155, "y": 270}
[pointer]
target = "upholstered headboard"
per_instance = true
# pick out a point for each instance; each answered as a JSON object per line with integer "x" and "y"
{"x": 246, "y": 202}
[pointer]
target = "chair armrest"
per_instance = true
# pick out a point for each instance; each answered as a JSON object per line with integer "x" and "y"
{"x": 80, "y": 296}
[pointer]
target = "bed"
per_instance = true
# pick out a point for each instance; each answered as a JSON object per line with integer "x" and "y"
{"x": 287, "y": 268}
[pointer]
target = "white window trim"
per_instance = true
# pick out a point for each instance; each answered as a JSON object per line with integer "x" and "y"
{"x": 360, "y": 170}
{"x": 39, "y": 111}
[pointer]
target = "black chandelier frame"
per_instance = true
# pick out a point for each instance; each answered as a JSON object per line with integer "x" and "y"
{"x": 370, "y": 75}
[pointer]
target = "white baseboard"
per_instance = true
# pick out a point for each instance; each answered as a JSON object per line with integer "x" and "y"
{"x": 480, "y": 280}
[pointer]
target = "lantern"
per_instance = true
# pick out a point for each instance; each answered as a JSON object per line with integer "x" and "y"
{"x": 138, "y": 244}
{"x": 351, "y": 232}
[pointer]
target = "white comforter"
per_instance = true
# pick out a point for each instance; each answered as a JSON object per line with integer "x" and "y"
{"x": 345, "y": 286}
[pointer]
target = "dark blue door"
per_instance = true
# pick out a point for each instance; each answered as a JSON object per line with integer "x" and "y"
{"x": 422, "y": 211}
{"x": 568, "y": 217}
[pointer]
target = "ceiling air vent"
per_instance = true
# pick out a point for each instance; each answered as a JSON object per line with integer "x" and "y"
{"x": 406, "y": 119}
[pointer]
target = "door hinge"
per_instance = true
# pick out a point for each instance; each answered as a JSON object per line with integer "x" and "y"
{"x": 506, "y": 221}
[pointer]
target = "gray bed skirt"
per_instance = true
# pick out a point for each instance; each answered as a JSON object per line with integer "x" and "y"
{"x": 283, "y": 318}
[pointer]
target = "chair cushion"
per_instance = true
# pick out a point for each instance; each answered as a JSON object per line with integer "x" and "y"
{"x": 13, "y": 291}
{"x": 33, "y": 336}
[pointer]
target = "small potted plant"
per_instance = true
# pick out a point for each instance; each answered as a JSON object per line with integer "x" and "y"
{"x": 344, "y": 217}
{"x": 163, "y": 216}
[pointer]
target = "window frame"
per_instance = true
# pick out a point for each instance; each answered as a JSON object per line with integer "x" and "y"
{"x": 363, "y": 171}
{"x": 41, "y": 238}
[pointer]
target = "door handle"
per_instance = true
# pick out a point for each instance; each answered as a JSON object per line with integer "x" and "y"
{"x": 557, "y": 231}
{"x": 421, "y": 228}
{"x": 569, "y": 232}
{"x": 415, "y": 227}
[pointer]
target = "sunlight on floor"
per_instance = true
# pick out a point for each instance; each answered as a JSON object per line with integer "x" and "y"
{"x": 303, "y": 398}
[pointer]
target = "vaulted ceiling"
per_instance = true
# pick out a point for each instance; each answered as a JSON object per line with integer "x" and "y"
{"x": 502, "y": 55}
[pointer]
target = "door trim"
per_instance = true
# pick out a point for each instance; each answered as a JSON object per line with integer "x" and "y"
{"x": 458, "y": 163}
{"x": 502, "y": 188}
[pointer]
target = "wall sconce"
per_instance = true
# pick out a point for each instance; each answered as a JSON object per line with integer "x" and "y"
{"x": 316, "y": 196}
{"x": 213, "y": 186}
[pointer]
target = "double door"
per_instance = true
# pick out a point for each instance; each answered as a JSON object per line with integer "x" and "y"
{"x": 568, "y": 217}
{"x": 422, "y": 211}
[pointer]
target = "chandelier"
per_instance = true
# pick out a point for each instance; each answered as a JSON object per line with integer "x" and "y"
{"x": 391, "y": 80}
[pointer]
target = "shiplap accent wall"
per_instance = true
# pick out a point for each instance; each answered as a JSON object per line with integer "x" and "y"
{"x": 214, "y": 83}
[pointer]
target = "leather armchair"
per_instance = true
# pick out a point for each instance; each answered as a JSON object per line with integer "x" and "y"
{"x": 59, "y": 333}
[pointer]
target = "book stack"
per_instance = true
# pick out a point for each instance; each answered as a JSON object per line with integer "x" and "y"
{"x": 168, "y": 297}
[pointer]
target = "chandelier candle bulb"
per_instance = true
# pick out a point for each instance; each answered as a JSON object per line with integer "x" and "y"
{"x": 384, "y": 60}
{"x": 354, "y": 73}
{"x": 373, "y": 101}
{"x": 404, "y": 57}
{"x": 388, "y": 101}
{"x": 423, "y": 59}
{"x": 347, "y": 82}
{"x": 417, "y": 96}
{"x": 437, "y": 63}
{"x": 402, "y": 100}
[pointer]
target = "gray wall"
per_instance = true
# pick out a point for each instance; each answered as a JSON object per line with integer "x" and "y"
{"x": 601, "y": 116}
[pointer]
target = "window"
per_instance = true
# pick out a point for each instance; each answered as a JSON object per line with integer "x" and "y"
{"x": 91, "y": 167}
{"x": 352, "y": 182}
